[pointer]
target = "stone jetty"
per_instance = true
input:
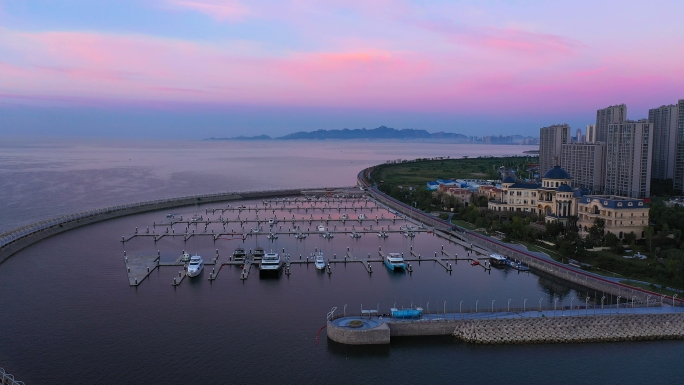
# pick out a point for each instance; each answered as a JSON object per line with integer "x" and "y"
{"x": 572, "y": 329}
{"x": 608, "y": 328}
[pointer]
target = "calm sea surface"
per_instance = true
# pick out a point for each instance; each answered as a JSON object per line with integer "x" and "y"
{"x": 67, "y": 314}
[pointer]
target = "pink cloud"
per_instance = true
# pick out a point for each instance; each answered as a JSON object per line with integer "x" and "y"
{"x": 508, "y": 40}
{"x": 77, "y": 67}
{"x": 220, "y": 10}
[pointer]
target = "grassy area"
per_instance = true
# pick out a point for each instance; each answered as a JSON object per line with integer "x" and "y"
{"x": 463, "y": 224}
{"x": 552, "y": 253}
{"x": 648, "y": 287}
{"x": 419, "y": 173}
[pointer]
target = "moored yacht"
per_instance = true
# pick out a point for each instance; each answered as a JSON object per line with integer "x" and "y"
{"x": 320, "y": 261}
{"x": 258, "y": 253}
{"x": 270, "y": 263}
{"x": 239, "y": 254}
{"x": 195, "y": 266}
{"x": 394, "y": 261}
{"x": 321, "y": 228}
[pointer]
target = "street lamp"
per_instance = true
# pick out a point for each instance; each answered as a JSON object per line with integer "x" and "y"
{"x": 618, "y": 303}
{"x": 509, "y": 305}
{"x": 633, "y": 309}
{"x": 555, "y": 302}
{"x": 460, "y": 308}
{"x": 648, "y": 298}
{"x": 661, "y": 300}
{"x": 602, "y": 298}
{"x": 571, "y": 299}
{"x": 524, "y": 302}
{"x": 673, "y": 299}
{"x": 586, "y": 306}
{"x": 476, "y": 305}
{"x": 540, "y": 301}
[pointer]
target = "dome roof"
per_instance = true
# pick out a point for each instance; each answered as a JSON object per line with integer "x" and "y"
{"x": 564, "y": 188}
{"x": 557, "y": 173}
{"x": 508, "y": 179}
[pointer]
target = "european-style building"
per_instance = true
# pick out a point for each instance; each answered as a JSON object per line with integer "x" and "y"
{"x": 556, "y": 200}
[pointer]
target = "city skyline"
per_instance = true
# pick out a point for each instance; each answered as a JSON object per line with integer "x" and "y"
{"x": 205, "y": 68}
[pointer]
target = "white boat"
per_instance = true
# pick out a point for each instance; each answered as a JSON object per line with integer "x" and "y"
{"x": 382, "y": 234}
{"x": 321, "y": 228}
{"x": 185, "y": 258}
{"x": 355, "y": 235}
{"x": 362, "y": 217}
{"x": 255, "y": 230}
{"x": 270, "y": 263}
{"x": 328, "y": 235}
{"x": 272, "y": 221}
{"x": 196, "y": 218}
{"x": 320, "y": 261}
{"x": 195, "y": 266}
{"x": 344, "y": 217}
{"x": 272, "y": 236}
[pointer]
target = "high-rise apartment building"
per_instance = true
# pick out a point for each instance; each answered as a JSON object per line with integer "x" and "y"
{"x": 629, "y": 151}
{"x": 578, "y": 135}
{"x": 664, "y": 119}
{"x": 590, "y": 137}
{"x": 679, "y": 157}
{"x": 586, "y": 162}
{"x": 606, "y": 116}
{"x": 551, "y": 141}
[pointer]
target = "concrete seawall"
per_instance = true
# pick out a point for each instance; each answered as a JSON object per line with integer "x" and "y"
{"x": 627, "y": 327}
{"x": 15, "y": 240}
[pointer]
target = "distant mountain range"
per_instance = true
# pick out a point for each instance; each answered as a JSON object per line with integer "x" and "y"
{"x": 359, "y": 134}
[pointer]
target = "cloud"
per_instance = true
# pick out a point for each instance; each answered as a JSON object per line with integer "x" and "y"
{"x": 220, "y": 10}
{"x": 503, "y": 39}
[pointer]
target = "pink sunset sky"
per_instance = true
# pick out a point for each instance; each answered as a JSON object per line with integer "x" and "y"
{"x": 231, "y": 67}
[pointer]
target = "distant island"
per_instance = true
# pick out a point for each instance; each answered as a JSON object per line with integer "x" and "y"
{"x": 347, "y": 134}
{"x": 385, "y": 133}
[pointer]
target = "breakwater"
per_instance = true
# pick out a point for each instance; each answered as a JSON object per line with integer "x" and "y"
{"x": 607, "y": 328}
{"x": 15, "y": 240}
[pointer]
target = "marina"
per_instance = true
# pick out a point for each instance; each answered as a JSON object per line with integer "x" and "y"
{"x": 243, "y": 256}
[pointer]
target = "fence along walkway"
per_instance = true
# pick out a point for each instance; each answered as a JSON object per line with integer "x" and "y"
{"x": 554, "y": 268}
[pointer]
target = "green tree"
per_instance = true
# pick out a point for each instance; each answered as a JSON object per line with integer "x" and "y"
{"x": 648, "y": 235}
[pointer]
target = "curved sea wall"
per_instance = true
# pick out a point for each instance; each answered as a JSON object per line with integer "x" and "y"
{"x": 627, "y": 327}
{"x": 15, "y": 240}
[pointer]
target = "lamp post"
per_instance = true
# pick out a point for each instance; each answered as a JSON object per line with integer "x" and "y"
{"x": 540, "y": 301}
{"x": 661, "y": 300}
{"x": 602, "y": 299}
{"x": 633, "y": 309}
{"x": 586, "y": 306}
{"x": 555, "y": 302}
{"x": 460, "y": 308}
{"x": 618, "y": 303}
{"x": 648, "y": 298}
{"x": 509, "y": 305}
{"x": 476, "y": 305}
{"x": 571, "y": 299}
{"x": 524, "y": 302}
{"x": 673, "y": 299}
